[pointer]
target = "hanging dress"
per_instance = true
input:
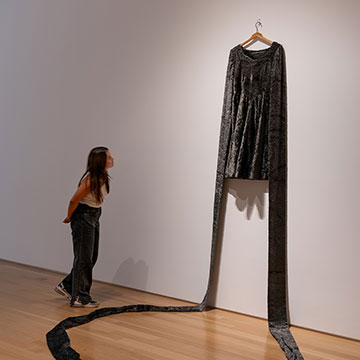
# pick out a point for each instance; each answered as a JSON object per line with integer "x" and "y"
{"x": 252, "y": 145}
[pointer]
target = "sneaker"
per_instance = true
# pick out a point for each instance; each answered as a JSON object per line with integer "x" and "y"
{"x": 60, "y": 289}
{"x": 78, "y": 303}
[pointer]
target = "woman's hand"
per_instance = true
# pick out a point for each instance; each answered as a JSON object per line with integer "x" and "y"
{"x": 80, "y": 193}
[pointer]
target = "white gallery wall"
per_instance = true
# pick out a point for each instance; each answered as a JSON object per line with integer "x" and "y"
{"x": 146, "y": 78}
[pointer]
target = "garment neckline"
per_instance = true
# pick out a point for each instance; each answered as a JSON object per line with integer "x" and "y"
{"x": 264, "y": 52}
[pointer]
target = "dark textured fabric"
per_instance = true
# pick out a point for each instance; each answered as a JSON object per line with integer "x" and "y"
{"x": 85, "y": 236}
{"x": 253, "y": 145}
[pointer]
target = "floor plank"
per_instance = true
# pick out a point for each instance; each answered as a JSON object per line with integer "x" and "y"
{"x": 29, "y": 309}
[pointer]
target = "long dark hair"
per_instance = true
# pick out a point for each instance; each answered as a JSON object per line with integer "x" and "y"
{"x": 97, "y": 173}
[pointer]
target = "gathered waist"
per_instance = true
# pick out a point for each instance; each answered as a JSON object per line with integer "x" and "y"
{"x": 83, "y": 206}
{"x": 88, "y": 210}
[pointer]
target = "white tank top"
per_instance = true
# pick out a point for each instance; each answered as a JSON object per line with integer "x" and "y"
{"x": 90, "y": 199}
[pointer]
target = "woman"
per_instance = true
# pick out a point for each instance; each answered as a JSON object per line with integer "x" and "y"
{"x": 83, "y": 213}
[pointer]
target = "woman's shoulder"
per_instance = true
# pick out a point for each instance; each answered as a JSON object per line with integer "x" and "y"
{"x": 85, "y": 181}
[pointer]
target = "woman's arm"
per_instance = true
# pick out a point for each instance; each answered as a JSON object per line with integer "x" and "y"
{"x": 81, "y": 191}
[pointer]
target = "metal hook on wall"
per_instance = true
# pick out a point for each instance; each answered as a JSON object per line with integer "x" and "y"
{"x": 258, "y": 23}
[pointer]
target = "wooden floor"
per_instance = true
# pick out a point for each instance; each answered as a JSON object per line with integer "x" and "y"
{"x": 29, "y": 309}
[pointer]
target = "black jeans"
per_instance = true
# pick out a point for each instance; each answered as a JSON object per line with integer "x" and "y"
{"x": 85, "y": 235}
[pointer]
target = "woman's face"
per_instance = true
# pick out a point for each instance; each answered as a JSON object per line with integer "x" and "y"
{"x": 109, "y": 160}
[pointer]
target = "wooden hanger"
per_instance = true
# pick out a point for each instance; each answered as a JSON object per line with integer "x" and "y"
{"x": 257, "y": 35}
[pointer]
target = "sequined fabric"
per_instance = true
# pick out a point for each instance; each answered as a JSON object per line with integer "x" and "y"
{"x": 253, "y": 145}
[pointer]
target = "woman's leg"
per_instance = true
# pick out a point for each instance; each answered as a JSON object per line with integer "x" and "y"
{"x": 67, "y": 283}
{"x": 83, "y": 233}
{"x": 94, "y": 256}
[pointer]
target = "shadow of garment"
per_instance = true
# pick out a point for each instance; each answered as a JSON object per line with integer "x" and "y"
{"x": 248, "y": 194}
{"x": 132, "y": 274}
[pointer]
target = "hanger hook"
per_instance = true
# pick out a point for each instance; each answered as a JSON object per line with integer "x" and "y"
{"x": 258, "y": 23}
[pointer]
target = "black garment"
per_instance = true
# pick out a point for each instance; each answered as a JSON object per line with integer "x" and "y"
{"x": 253, "y": 145}
{"x": 85, "y": 236}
